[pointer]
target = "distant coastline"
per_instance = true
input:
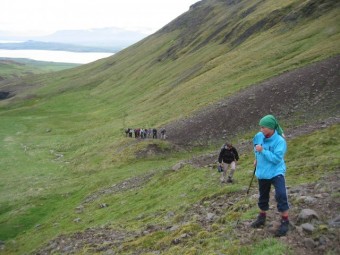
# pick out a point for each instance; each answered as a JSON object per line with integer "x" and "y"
{"x": 37, "y": 45}
{"x": 69, "y": 46}
{"x": 55, "y": 56}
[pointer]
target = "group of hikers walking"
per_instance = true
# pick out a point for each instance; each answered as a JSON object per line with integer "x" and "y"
{"x": 269, "y": 149}
{"x": 144, "y": 133}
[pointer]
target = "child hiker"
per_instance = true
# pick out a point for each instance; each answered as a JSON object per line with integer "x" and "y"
{"x": 270, "y": 148}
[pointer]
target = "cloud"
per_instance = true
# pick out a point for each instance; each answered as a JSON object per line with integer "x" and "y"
{"x": 48, "y": 16}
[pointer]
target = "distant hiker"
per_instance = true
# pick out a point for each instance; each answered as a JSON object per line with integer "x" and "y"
{"x": 131, "y": 132}
{"x": 143, "y": 133}
{"x": 154, "y": 133}
{"x": 127, "y": 132}
{"x": 149, "y": 131}
{"x": 137, "y": 132}
{"x": 227, "y": 158}
{"x": 270, "y": 148}
{"x": 163, "y": 131}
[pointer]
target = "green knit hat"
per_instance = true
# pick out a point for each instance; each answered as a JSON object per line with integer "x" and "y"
{"x": 269, "y": 121}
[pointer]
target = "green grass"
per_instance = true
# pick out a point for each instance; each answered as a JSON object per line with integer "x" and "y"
{"x": 48, "y": 208}
{"x": 309, "y": 158}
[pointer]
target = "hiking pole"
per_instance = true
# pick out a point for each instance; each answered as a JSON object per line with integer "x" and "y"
{"x": 251, "y": 181}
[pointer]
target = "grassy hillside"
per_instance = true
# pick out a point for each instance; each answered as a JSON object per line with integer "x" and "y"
{"x": 63, "y": 153}
{"x": 19, "y": 67}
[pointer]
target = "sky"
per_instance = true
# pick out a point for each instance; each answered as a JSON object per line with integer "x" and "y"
{"x": 43, "y": 17}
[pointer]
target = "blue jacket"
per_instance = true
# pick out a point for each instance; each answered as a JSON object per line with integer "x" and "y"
{"x": 270, "y": 161}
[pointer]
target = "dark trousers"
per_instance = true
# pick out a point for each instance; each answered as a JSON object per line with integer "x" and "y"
{"x": 279, "y": 184}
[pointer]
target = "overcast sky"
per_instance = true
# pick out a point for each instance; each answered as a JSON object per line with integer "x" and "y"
{"x": 42, "y": 17}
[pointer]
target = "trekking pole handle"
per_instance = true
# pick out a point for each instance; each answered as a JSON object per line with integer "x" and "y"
{"x": 251, "y": 181}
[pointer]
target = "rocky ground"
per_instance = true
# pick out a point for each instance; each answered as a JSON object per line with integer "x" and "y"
{"x": 314, "y": 222}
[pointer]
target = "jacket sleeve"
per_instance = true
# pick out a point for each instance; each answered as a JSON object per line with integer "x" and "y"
{"x": 236, "y": 154}
{"x": 258, "y": 139}
{"x": 220, "y": 156}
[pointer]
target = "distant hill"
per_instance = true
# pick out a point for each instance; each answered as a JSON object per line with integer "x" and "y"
{"x": 108, "y": 39}
{"x": 15, "y": 67}
{"x": 103, "y": 37}
{"x": 35, "y": 45}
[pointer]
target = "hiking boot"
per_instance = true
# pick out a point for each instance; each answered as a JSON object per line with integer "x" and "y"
{"x": 283, "y": 229}
{"x": 230, "y": 180}
{"x": 260, "y": 221}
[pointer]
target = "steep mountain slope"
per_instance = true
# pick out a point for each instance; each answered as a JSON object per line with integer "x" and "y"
{"x": 208, "y": 53}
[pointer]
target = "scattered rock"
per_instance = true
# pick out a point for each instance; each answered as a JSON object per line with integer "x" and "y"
{"x": 178, "y": 166}
{"x": 308, "y": 199}
{"x": 211, "y": 216}
{"x": 309, "y": 228}
{"x": 185, "y": 235}
{"x": 174, "y": 228}
{"x": 79, "y": 209}
{"x": 307, "y": 215}
{"x": 309, "y": 243}
{"x": 176, "y": 241}
{"x": 335, "y": 222}
{"x": 170, "y": 215}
